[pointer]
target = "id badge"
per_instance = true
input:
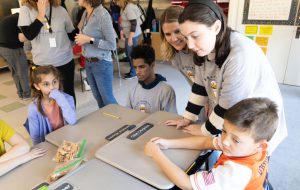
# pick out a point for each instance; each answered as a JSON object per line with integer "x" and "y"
{"x": 52, "y": 42}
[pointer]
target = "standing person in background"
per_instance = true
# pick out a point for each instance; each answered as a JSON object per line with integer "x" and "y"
{"x": 229, "y": 68}
{"x": 97, "y": 40}
{"x": 11, "y": 49}
{"x": 49, "y": 28}
{"x": 19, "y": 153}
{"x": 130, "y": 29}
{"x": 174, "y": 47}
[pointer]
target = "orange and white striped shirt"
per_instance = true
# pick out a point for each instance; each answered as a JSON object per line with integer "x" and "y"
{"x": 234, "y": 173}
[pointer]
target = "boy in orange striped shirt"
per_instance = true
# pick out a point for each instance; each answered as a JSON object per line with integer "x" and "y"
{"x": 243, "y": 164}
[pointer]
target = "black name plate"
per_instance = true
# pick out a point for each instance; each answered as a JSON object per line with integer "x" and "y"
{"x": 140, "y": 131}
{"x": 118, "y": 132}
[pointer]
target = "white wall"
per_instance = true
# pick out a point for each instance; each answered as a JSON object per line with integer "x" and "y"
{"x": 279, "y": 46}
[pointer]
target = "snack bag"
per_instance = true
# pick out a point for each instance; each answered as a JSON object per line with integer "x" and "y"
{"x": 69, "y": 150}
{"x": 64, "y": 168}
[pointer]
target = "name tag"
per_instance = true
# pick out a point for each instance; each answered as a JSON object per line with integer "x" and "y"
{"x": 52, "y": 42}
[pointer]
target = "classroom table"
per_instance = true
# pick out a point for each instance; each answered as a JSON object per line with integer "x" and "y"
{"x": 127, "y": 151}
{"x": 95, "y": 175}
{"x": 95, "y": 127}
{"x": 32, "y": 173}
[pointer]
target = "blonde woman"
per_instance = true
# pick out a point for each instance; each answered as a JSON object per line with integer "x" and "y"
{"x": 174, "y": 47}
{"x": 49, "y": 28}
{"x": 130, "y": 30}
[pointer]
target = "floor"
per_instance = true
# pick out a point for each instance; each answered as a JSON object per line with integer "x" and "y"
{"x": 284, "y": 164}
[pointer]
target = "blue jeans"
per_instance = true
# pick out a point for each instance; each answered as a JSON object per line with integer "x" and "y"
{"x": 100, "y": 77}
{"x": 128, "y": 50}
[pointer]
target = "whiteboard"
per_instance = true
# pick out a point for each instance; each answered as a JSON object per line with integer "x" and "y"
{"x": 269, "y": 9}
{"x": 270, "y": 12}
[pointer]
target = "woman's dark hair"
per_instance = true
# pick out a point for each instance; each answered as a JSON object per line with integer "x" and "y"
{"x": 203, "y": 14}
{"x": 35, "y": 78}
{"x": 94, "y": 3}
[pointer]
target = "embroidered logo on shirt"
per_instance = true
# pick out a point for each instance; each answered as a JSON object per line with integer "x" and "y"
{"x": 214, "y": 86}
{"x": 143, "y": 106}
{"x": 208, "y": 178}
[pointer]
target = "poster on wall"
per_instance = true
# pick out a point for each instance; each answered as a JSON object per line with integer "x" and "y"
{"x": 270, "y": 12}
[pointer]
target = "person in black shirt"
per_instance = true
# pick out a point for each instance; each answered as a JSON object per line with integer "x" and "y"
{"x": 11, "y": 49}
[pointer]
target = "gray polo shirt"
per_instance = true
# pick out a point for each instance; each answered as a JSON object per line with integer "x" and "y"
{"x": 61, "y": 24}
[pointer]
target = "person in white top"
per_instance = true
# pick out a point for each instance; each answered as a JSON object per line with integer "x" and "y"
{"x": 230, "y": 67}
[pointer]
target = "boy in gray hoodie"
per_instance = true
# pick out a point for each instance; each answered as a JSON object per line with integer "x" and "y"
{"x": 151, "y": 93}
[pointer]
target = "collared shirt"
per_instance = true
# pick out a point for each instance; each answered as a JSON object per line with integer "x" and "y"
{"x": 99, "y": 26}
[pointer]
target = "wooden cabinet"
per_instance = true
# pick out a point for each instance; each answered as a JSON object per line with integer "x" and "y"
{"x": 156, "y": 43}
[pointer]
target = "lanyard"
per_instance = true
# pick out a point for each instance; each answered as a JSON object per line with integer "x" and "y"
{"x": 86, "y": 20}
{"x": 49, "y": 20}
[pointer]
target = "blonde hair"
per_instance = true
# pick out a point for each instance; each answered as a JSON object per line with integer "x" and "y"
{"x": 33, "y": 3}
{"x": 125, "y": 2}
{"x": 170, "y": 15}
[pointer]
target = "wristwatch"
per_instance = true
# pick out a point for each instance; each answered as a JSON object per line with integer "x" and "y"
{"x": 92, "y": 40}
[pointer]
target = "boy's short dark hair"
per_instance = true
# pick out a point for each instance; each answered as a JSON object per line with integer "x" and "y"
{"x": 258, "y": 115}
{"x": 145, "y": 52}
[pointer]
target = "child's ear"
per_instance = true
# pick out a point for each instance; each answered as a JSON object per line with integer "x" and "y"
{"x": 262, "y": 145}
{"x": 36, "y": 86}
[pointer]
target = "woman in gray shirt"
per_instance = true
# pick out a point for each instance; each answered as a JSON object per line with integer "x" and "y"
{"x": 97, "y": 40}
{"x": 49, "y": 28}
{"x": 130, "y": 29}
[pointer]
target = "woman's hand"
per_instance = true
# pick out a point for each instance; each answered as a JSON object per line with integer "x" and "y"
{"x": 82, "y": 39}
{"x": 122, "y": 35}
{"x": 22, "y": 37}
{"x": 179, "y": 124}
{"x": 130, "y": 42}
{"x": 193, "y": 130}
{"x": 41, "y": 6}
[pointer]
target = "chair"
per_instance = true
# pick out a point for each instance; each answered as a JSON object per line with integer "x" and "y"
{"x": 115, "y": 54}
{"x": 26, "y": 125}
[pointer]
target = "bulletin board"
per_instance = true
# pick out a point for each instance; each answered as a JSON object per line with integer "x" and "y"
{"x": 270, "y": 12}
